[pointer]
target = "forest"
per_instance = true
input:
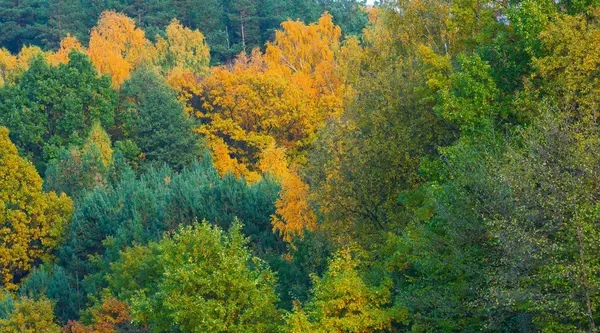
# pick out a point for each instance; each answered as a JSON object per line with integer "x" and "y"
{"x": 328, "y": 166}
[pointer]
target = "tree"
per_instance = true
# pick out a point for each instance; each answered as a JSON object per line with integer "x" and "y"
{"x": 65, "y": 18}
{"x": 158, "y": 125}
{"x": 21, "y": 22}
{"x": 244, "y": 22}
{"x": 294, "y": 213}
{"x": 67, "y": 45}
{"x": 283, "y": 97}
{"x": 137, "y": 210}
{"x": 183, "y": 48}
{"x": 117, "y": 46}
{"x": 567, "y": 72}
{"x": 52, "y": 107}
{"x": 343, "y": 302}
{"x": 30, "y": 316}
{"x": 33, "y": 223}
{"x": 200, "y": 279}
{"x": 111, "y": 316}
{"x": 367, "y": 158}
{"x": 81, "y": 168}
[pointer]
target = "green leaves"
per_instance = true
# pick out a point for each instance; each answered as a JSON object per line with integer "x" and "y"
{"x": 53, "y": 107}
{"x": 157, "y": 122}
{"x": 200, "y": 279}
{"x": 344, "y": 302}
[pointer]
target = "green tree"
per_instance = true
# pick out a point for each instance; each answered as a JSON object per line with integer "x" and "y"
{"x": 365, "y": 160}
{"x": 158, "y": 125}
{"x": 81, "y": 168}
{"x": 64, "y": 18}
{"x": 21, "y": 23}
{"x": 52, "y": 107}
{"x": 243, "y": 21}
{"x": 200, "y": 279}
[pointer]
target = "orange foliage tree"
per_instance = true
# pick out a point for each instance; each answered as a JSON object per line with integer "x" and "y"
{"x": 117, "y": 46}
{"x": 282, "y": 97}
{"x": 294, "y": 213}
{"x": 111, "y": 315}
{"x": 262, "y": 112}
{"x": 67, "y": 45}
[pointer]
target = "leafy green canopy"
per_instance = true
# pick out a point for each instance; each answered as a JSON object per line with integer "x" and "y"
{"x": 55, "y": 106}
{"x": 200, "y": 279}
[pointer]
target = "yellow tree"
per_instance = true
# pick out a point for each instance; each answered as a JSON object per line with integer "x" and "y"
{"x": 307, "y": 56}
{"x": 283, "y": 97}
{"x": 99, "y": 139}
{"x": 308, "y": 53}
{"x": 8, "y": 63}
{"x": 31, "y": 222}
{"x": 343, "y": 302}
{"x": 11, "y": 67}
{"x": 243, "y": 111}
{"x": 30, "y": 316}
{"x": 184, "y": 48}
{"x": 570, "y": 71}
{"x": 270, "y": 107}
{"x": 117, "y": 46}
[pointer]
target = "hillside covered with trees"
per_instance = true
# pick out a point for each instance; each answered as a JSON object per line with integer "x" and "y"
{"x": 299, "y": 166}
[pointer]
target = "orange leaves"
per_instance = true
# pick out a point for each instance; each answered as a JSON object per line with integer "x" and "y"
{"x": 107, "y": 319}
{"x": 282, "y": 97}
{"x": 224, "y": 163}
{"x": 117, "y": 46}
{"x": 66, "y": 46}
{"x": 266, "y": 109}
{"x": 294, "y": 213}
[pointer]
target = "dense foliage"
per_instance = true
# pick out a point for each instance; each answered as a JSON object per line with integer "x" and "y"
{"x": 231, "y": 26}
{"x": 299, "y": 166}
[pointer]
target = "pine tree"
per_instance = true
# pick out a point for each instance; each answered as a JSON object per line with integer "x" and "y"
{"x": 160, "y": 127}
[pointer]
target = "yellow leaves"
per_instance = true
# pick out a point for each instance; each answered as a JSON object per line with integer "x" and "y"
{"x": 224, "y": 163}
{"x": 27, "y": 53}
{"x": 67, "y": 45}
{"x": 184, "y": 49}
{"x": 264, "y": 110}
{"x": 301, "y": 48}
{"x": 101, "y": 140}
{"x": 310, "y": 50}
{"x": 35, "y": 220}
{"x": 343, "y": 302}
{"x": 185, "y": 83}
{"x": 438, "y": 69}
{"x": 30, "y": 316}
{"x": 11, "y": 67}
{"x": 117, "y": 46}
{"x": 8, "y": 63}
{"x": 571, "y": 67}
